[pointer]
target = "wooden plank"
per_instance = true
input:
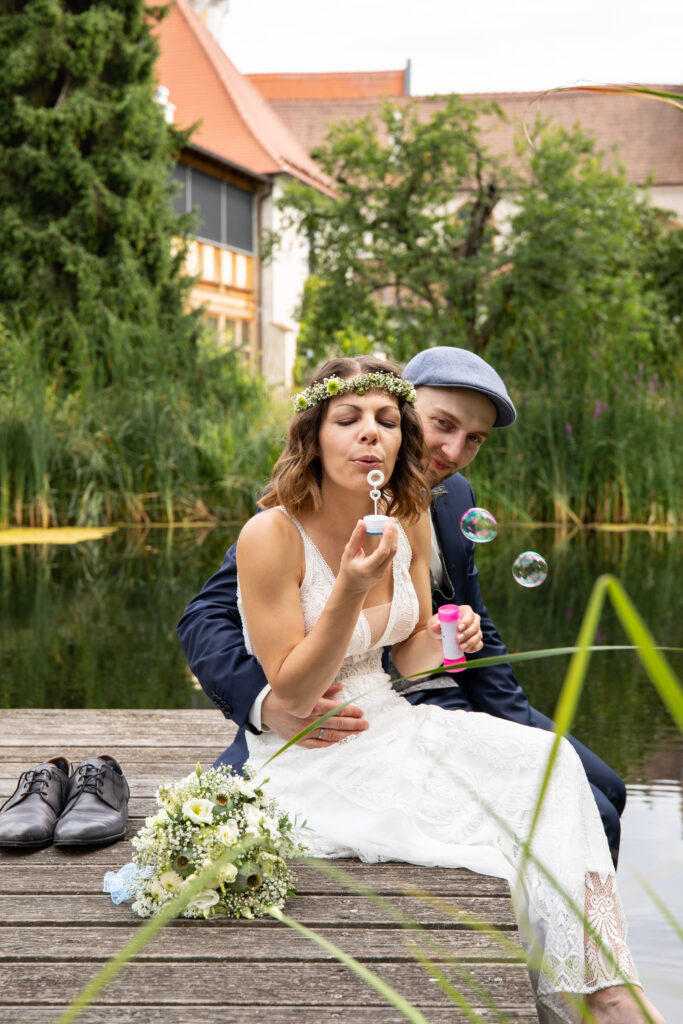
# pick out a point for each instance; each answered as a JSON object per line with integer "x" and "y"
{"x": 183, "y": 756}
{"x": 310, "y": 910}
{"x": 195, "y": 941}
{"x": 314, "y": 985}
{"x": 225, "y": 971}
{"x": 274, "y": 1014}
{"x": 144, "y": 779}
{"x": 19, "y": 874}
{"x": 54, "y": 727}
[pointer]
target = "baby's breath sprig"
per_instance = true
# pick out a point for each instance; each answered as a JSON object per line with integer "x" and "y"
{"x": 331, "y": 386}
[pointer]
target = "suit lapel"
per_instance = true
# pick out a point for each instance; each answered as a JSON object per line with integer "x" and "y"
{"x": 445, "y": 593}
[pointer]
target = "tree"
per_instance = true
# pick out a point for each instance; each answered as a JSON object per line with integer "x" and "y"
{"x": 113, "y": 405}
{"x": 412, "y": 251}
{"x": 87, "y": 263}
{"x": 575, "y": 297}
{"x": 402, "y": 252}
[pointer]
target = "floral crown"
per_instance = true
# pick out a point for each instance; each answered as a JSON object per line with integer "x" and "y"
{"x": 331, "y": 386}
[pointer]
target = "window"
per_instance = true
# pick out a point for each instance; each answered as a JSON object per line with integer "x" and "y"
{"x": 224, "y": 212}
{"x": 205, "y": 199}
{"x": 180, "y": 174}
{"x": 239, "y": 218}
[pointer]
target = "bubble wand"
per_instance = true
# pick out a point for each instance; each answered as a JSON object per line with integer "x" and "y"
{"x": 374, "y": 524}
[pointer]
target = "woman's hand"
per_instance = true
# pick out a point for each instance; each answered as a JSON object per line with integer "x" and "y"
{"x": 361, "y": 571}
{"x": 470, "y": 637}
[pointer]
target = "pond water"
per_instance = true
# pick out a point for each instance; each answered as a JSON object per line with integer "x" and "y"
{"x": 93, "y": 625}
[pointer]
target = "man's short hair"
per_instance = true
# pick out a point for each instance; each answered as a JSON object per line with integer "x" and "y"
{"x": 447, "y": 367}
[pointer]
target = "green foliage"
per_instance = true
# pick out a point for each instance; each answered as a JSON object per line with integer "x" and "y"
{"x": 112, "y": 407}
{"x": 577, "y": 299}
{"x": 157, "y": 448}
{"x": 86, "y": 222}
{"x": 394, "y": 256}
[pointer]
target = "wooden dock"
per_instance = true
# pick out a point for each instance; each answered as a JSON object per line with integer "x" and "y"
{"x": 57, "y": 928}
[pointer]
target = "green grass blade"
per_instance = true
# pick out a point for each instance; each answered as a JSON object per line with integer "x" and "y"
{"x": 146, "y": 932}
{"x": 653, "y": 662}
{"x": 520, "y": 656}
{"x": 385, "y": 990}
{"x": 452, "y": 992}
{"x": 662, "y": 907}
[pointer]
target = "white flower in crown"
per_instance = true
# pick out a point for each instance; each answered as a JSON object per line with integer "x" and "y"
{"x": 363, "y": 382}
{"x": 198, "y": 810}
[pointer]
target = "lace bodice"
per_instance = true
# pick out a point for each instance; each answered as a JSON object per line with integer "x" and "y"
{"x": 370, "y": 635}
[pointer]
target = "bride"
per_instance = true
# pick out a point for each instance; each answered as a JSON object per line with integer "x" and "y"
{"x": 319, "y": 600}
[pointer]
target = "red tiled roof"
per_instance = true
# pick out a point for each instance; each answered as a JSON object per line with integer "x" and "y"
{"x": 339, "y": 85}
{"x": 237, "y": 124}
{"x": 647, "y": 133}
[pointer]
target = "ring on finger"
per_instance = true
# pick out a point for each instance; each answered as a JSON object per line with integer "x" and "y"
{"x": 321, "y": 733}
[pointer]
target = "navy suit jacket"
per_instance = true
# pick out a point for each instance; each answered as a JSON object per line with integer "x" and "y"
{"x": 210, "y": 632}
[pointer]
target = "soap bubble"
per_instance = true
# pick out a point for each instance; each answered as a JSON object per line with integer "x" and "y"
{"x": 478, "y": 525}
{"x": 530, "y": 569}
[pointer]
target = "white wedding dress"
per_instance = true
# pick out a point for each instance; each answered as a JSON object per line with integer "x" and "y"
{"x": 416, "y": 786}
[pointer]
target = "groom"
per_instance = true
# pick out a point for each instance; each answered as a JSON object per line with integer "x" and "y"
{"x": 460, "y": 399}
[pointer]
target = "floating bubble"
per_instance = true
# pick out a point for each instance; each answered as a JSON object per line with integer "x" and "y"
{"x": 478, "y": 525}
{"x": 530, "y": 569}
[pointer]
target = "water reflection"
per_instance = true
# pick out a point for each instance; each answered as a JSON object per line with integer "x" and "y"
{"x": 93, "y": 625}
{"x": 652, "y": 849}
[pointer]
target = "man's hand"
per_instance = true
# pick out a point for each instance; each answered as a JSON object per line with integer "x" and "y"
{"x": 470, "y": 637}
{"x": 348, "y": 722}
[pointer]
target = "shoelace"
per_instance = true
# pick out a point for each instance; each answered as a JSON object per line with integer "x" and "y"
{"x": 90, "y": 779}
{"x": 37, "y": 781}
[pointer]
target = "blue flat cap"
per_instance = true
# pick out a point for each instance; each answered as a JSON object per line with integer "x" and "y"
{"x": 448, "y": 367}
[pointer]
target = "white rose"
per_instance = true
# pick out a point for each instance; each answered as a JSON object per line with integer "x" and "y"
{"x": 228, "y": 833}
{"x": 204, "y": 900}
{"x": 158, "y": 890}
{"x": 160, "y": 818}
{"x": 198, "y": 810}
{"x": 170, "y": 880}
{"x": 253, "y": 818}
{"x": 228, "y": 874}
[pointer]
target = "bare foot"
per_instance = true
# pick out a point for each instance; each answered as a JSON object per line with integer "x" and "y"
{"x": 616, "y": 1005}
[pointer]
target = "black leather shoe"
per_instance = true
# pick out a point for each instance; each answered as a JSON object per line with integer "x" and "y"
{"x": 96, "y": 807}
{"x": 29, "y": 817}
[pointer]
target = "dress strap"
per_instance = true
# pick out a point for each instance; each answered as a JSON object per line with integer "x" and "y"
{"x": 304, "y": 535}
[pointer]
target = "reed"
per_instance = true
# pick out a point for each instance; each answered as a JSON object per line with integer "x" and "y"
{"x": 167, "y": 443}
{"x": 581, "y": 454}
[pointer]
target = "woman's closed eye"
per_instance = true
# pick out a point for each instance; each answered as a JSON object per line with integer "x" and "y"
{"x": 392, "y": 424}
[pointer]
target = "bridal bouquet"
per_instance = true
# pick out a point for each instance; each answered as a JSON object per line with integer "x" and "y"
{"x": 206, "y": 817}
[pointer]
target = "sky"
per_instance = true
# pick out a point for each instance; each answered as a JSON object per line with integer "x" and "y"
{"x": 479, "y": 46}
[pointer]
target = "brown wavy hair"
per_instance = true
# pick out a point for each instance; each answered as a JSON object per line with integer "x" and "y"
{"x": 296, "y": 479}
